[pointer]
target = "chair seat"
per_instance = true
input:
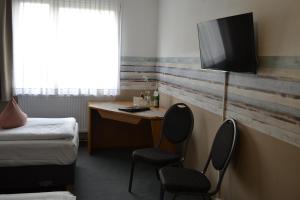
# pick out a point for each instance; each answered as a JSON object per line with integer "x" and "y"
{"x": 176, "y": 179}
{"x": 155, "y": 155}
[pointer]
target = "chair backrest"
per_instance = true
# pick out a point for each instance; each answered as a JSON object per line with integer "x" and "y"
{"x": 222, "y": 149}
{"x": 178, "y": 123}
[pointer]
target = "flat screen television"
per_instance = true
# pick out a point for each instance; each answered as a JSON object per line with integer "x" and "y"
{"x": 228, "y": 44}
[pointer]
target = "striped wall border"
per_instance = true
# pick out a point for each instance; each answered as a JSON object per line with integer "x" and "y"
{"x": 278, "y": 67}
{"x": 268, "y": 101}
{"x": 135, "y": 70}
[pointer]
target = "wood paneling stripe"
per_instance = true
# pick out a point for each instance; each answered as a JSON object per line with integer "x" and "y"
{"x": 267, "y": 102}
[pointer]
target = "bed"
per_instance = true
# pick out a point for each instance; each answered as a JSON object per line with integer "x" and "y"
{"x": 39, "y": 196}
{"x": 40, "y": 154}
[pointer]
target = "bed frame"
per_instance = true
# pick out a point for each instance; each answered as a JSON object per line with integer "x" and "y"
{"x": 44, "y": 176}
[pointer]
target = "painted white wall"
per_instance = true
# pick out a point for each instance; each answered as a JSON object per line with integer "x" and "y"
{"x": 139, "y": 28}
{"x": 277, "y": 24}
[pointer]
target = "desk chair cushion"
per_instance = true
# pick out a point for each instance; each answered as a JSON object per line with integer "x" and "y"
{"x": 176, "y": 180}
{"x": 155, "y": 156}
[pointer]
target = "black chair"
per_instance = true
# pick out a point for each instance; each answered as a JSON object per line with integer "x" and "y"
{"x": 182, "y": 181}
{"x": 177, "y": 126}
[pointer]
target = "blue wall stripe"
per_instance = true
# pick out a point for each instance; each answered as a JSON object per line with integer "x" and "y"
{"x": 130, "y": 68}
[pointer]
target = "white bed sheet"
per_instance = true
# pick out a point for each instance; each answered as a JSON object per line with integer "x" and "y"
{"x": 41, "y": 129}
{"x": 39, "y": 152}
{"x": 39, "y": 196}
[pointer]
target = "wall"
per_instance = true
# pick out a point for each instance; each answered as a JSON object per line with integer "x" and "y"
{"x": 276, "y": 24}
{"x": 266, "y": 105}
{"x": 139, "y": 28}
{"x": 139, "y": 43}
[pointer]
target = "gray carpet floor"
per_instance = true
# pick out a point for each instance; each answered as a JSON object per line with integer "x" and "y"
{"x": 105, "y": 174}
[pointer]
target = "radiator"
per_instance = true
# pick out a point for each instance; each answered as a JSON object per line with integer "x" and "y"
{"x": 59, "y": 106}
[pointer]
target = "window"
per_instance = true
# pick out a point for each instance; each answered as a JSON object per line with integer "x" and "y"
{"x": 66, "y": 47}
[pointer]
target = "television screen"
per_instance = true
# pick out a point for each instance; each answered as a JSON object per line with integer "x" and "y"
{"x": 228, "y": 44}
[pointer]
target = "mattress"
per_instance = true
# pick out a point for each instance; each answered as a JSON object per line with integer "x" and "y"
{"x": 41, "y": 129}
{"x": 39, "y": 152}
{"x": 39, "y": 196}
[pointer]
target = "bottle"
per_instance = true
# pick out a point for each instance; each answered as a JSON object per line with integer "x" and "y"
{"x": 156, "y": 98}
{"x": 147, "y": 98}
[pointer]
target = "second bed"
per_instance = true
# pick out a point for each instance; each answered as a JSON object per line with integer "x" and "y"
{"x": 40, "y": 154}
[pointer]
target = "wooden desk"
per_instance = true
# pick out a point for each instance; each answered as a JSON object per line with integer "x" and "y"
{"x": 112, "y": 128}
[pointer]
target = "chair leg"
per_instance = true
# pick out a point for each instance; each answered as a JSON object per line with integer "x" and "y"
{"x": 131, "y": 175}
{"x": 162, "y": 193}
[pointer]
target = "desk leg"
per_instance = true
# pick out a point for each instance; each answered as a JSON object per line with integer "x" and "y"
{"x": 90, "y": 142}
{"x": 155, "y": 131}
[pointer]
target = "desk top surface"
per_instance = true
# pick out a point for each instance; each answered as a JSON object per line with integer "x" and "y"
{"x": 153, "y": 113}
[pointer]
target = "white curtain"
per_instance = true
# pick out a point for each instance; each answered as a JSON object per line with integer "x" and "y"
{"x": 66, "y": 47}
